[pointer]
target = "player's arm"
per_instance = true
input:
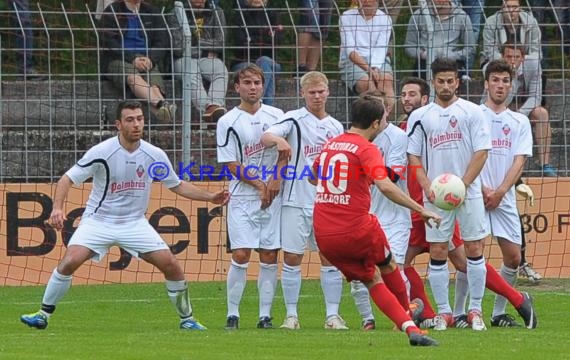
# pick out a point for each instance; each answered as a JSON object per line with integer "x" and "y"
{"x": 192, "y": 192}
{"x": 274, "y": 184}
{"x": 57, "y": 216}
{"x": 511, "y": 178}
{"x": 418, "y": 173}
{"x": 270, "y": 140}
{"x": 475, "y": 166}
{"x": 238, "y": 170}
{"x": 394, "y": 193}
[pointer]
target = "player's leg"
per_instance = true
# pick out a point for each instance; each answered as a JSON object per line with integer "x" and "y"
{"x": 58, "y": 285}
{"x": 505, "y": 224}
{"x": 243, "y": 237}
{"x": 88, "y": 241}
{"x": 269, "y": 244}
{"x": 417, "y": 245}
{"x": 294, "y": 241}
{"x": 475, "y": 232}
{"x": 176, "y": 286}
{"x": 459, "y": 260}
{"x": 331, "y": 285}
{"x": 525, "y": 268}
{"x": 361, "y": 298}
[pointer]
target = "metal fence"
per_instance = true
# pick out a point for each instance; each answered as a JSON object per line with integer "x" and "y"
{"x": 48, "y": 124}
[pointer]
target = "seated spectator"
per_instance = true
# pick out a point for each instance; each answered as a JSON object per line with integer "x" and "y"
{"x": 255, "y": 39}
{"x": 450, "y": 35}
{"x": 511, "y": 24}
{"x": 314, "y": 28}
{"x": 207, "y": 25}
{"x": 364, "y": 36}
{"x": 21, "y": 17}
{"x": 474, "y": 9}
{"x": 133, "y": 33}
{"x": 525, "y": 98}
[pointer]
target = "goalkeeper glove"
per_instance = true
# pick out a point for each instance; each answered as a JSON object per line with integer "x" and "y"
{"x": 526, "y": 192}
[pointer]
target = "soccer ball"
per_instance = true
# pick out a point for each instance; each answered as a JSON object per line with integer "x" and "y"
{"x": 448, "y": 190}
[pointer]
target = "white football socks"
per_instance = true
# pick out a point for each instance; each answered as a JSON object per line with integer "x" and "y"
{"x": 236, "y": 281}
{"x": 266, "y": 285}
{"x": 291, "y": 286}
{"x": 331, "y": 283}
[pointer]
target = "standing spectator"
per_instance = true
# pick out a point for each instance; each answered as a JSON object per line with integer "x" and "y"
{"x": 314, "y": 27}
{"x": 133, "y": 33}
{"x": 254, "y": 210}
{"x": 302, "y": 134}
{"x": 364, "y": 37}
{"x": 525, "y": 97}
{"x": 255, "y": 39}
{"x": 207, "y": 24}
{"x": 24, "y": 38}
{"x": 452, "y": 37}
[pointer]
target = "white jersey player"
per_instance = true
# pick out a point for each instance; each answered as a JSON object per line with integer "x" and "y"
{"x": 254, "y": 211}
{"x": 452, "y": 136}
{"x": 123, "y": 169}
{"x": 300, "y": 136}
{"x": 395, "y": 219}
{"x": 512, "y": 144}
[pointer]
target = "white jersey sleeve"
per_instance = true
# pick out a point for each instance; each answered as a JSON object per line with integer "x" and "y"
{"x": 511, "y": 136}
{"x": 392, "y": 143}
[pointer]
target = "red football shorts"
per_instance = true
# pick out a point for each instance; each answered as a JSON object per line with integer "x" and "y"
{"x": 356, "y": 254}
{"x": 418, "y": 236}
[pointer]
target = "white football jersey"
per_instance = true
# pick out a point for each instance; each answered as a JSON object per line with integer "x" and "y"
{"x": 392, "y": 143}
{"x": 511, "y": 135}
{"x": 121, "y": 180}
{"x": 239, "y": 139}
{"x": 306, "y": 135}
{"x": 447, "y": 138}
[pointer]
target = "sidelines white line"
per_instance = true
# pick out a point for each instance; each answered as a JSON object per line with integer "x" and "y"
{"x": 161, "y": 299}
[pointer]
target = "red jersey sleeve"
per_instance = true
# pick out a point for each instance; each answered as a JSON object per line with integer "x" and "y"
{"x": 372, "y": 160}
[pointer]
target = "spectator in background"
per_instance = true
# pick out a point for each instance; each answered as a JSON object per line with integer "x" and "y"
{"x": 511, "y": 24}
{"x": 541, "y": 9}
{"x": 24, "y": 38}
{"x": 473, "y": 8}
{"x": 255, "y": 39}
{"x": 133, "y": 33}
{"x": 207, "y": 25}
{"x": 314, "y": 26}
{"x": 101, "y": 6}
{"x": 525, "y": 97}
{"x": 392, "y": 8}
{"x": 364, "y": 36}
{"x": 452, "y": 37}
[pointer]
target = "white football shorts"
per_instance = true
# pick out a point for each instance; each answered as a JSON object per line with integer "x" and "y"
{"x": 250, "y": 227}
{"x": 504, "y": 222}
{"x": 472, "y": 222}
{"x": 136, "y": 237}
{"x": 398, "y": 236}
{"x": 297, "y": 230}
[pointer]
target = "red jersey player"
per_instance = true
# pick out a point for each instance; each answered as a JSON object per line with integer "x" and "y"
{"x": 347, "y": 234}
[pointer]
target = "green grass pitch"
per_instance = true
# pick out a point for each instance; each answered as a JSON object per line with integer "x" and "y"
{"x": 138, "y": 322}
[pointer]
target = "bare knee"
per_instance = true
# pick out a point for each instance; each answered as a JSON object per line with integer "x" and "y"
{"x": 539, "y": 114}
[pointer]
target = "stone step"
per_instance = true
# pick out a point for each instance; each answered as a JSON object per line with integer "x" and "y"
{"x": 38, "y": 155}
{"x": 90, "y": 104}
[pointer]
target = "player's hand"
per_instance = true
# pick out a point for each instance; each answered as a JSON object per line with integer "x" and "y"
{"x": 273, "y": 188}
{"x": 429, "y": 195}
{"x": 526, "y": 192}
{"x": 57, "y": 218}
{"x": 221, "y": 198}
{"x": 284, "y": 150}
{"x": 430, "y": 218}
{"x": 264, "y": 196}
{"x": 493, "y": 199}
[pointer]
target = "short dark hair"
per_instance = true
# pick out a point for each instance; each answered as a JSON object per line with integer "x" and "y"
{"x": 365, "y": 109}
{"x": 127, "y": 104}
{"x": 512, "y": 45}
{"x": 252, "y": 68}
{"x": 440, "y": 65}
{"x": 424, "y": 86}
{"x": 498, "y": 66}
